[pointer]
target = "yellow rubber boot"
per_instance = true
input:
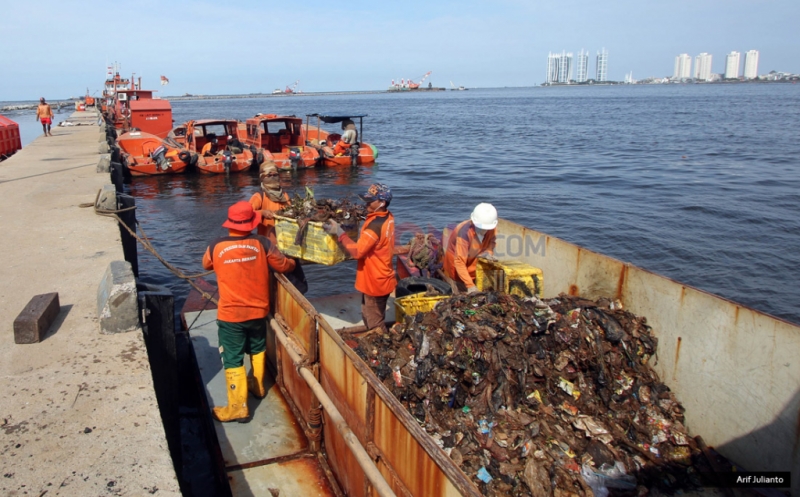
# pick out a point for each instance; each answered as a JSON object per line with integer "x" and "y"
{"x": 236, "y": 410}
{"x": 255, "y": 382}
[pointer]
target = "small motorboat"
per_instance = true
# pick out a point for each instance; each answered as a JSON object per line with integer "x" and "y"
{"x": 144, "y": 154}
{"x": 333, "y": 150}
{"x": 281, "y": 139}
{"x": 216, "y": 145}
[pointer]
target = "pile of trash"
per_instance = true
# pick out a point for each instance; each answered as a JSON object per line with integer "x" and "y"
{"x": 425, "y": 253}
{"x": 540, "y": 397}
{"x": 304, "y": 209}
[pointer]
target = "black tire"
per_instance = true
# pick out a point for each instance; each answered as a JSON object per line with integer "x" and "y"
{"x": 185, "y": 157}
{"x": 413, "y": 285}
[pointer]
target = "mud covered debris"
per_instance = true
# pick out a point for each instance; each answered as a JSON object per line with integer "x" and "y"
{"x": 532, "y": 397}
{"x": 425, "y": 253}
{"x": 307, "y": 208}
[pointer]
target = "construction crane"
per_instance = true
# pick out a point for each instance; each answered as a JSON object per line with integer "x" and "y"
{"x": 414, "y": 85}
{"x": 292, "y": 88}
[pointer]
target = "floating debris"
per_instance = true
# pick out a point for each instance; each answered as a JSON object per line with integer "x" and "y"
{"x": 532, "y": 397}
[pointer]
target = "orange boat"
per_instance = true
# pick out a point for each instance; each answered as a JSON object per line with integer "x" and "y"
{"x": 129, "y": 107}
{"x": 325, "y": 142}
{"x": 144, "y": 154}
{"x": 281, "y": 139}
{"x": 225, "y": 156}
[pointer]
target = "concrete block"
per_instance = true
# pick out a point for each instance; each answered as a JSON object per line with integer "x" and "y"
{"x": 103, "y": 148}
{"x": 117, "y": 301}
{"x": 101, "y": 137}
{"x": 104, "y": 165}
{"x": 107, "y": 199}
{"x": 36, "y": 318}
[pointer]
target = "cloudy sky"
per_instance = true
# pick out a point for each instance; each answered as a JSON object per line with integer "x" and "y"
{"x": 59, "y": 48}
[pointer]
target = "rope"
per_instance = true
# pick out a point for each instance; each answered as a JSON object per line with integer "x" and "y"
{"x": 145, "y": 241}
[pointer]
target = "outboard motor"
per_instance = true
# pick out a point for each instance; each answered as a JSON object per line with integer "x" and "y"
{"x": 159, "y": 157}
{"x": 294, "y": 157}
{"x": 354, "y": 154}
{"x": 227, "y": 159}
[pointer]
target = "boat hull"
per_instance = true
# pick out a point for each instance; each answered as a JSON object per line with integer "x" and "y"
{"x": 216, "y": 164}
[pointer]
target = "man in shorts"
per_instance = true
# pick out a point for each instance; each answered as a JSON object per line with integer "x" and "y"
{"x": 44, "y": 114}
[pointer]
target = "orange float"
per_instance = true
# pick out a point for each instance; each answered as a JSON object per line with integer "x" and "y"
{"x": 281, "y": 139}
{"x": 325, "y": 142}
{"x": 144, "y": 154}
{"x": 225, "y": 157}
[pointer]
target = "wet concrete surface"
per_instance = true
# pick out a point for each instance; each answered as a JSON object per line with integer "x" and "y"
{"x": 78, "y": 413}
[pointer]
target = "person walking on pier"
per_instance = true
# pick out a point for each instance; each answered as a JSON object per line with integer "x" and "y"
{"x": 472, "y": 238}
{"x": 44, "y": 114}
{"x": 374, "y": 251}
{"x": 242, "y": 261}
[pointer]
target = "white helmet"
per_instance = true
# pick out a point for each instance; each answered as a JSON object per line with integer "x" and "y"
{"x": 484, "y": 216}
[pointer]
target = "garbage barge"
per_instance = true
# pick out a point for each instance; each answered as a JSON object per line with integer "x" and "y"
{"x": 344, "y": 433}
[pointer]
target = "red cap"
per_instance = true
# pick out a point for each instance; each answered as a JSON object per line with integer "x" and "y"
{"x": 242, "y": 217}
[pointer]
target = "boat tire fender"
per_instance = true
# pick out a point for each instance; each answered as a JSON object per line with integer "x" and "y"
{"x": 413, "y": 285}
{"x": 185, "y": 157}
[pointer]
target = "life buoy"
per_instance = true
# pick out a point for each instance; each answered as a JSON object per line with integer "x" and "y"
{"x": 412, "y": 285}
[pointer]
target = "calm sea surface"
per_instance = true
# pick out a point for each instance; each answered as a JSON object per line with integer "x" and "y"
{"x": 699, "y": 183}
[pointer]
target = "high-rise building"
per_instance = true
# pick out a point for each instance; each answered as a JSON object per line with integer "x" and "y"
{"x": 751, "y": 64}
{"x": 565, "y": 67}
{"x": 602, "y": 66}
{"x": 683, "y": 67}
{"x": 702, "y": 67}
{"x": 732, "y": 65}
{"x": 583, "y": 67}
{"x": 559, "y": 67}
{"x": 552, "y": 67}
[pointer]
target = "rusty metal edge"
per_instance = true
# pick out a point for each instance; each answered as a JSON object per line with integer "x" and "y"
{"x": 378, "y": 454}
{"x": 457, "y": 477}
{"x": 323, "y": 461}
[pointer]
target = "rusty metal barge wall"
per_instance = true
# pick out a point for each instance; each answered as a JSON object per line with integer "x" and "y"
{"x": 736, "y": 370}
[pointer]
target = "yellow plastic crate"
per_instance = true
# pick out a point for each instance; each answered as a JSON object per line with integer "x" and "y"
{"x": 413, "y": 304}
{"x": 516, "y": 278}
{"x": 318, "y": 246}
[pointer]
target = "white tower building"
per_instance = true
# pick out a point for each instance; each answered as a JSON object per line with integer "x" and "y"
{"x": 683, "y": 67}
{"x": 751, "y": 64}
{"x": 602, "y": 66}
{"x": 583, "y": 67}
{"x": 565, "y": 67}
{"x": 702, "y": 67}
{"x": 732, "y": 65}
{"x": 552, "y": 67}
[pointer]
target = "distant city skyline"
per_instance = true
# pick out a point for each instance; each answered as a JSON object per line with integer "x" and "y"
{"x": 562, "y": 68}
{"x": 703, "y": 66}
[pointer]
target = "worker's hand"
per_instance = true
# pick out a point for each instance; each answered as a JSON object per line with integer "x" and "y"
{"x": 489, "y": 257}
{"x": 332, "y": 227}
{"x": 267, "y": 214}
{"x": 472, "y": 289}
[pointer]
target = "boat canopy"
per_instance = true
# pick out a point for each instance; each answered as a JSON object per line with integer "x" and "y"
{"x": 335, "y": 119}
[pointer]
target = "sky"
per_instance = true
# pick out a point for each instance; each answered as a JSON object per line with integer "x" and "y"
{"x": 58, "y": 49}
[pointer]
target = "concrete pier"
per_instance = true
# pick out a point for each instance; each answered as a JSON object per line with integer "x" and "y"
{"x": 78, "y": 412}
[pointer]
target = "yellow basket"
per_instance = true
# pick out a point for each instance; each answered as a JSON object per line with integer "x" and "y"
{"x": 318, "y": 246}
{"x": 516, "y": 278}
{"x": 413, "y": 304}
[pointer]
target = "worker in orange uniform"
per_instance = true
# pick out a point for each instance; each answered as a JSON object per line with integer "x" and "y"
{"x": 44, "y": 114}
{"x": 374, "y": 251}
{"x": 349, "y": 137}
{"x": 211, "y": 147}
{"x": 269, "y": 200}
{"x": 242, "y": 261}
{"x": 472, "y": 238}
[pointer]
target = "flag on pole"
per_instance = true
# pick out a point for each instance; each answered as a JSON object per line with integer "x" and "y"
{"x": 164, "y": 80}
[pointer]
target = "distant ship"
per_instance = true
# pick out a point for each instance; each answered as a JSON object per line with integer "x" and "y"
{"x": 460, "y": 88}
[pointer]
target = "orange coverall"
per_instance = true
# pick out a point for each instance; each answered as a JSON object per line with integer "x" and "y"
{"x": 463, "y": 247}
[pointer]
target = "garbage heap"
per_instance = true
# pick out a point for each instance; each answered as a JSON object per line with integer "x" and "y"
{"x": 304, "y": 209}
{"x": 540, "y": 398}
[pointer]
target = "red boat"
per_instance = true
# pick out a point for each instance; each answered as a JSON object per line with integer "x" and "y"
{"x": 326, "y": 142}
{"x": 224, "y": 155}
{"x": 282, "y": 140}
{"x": 129, "y": 107}
{"x": 144, "y": 154}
